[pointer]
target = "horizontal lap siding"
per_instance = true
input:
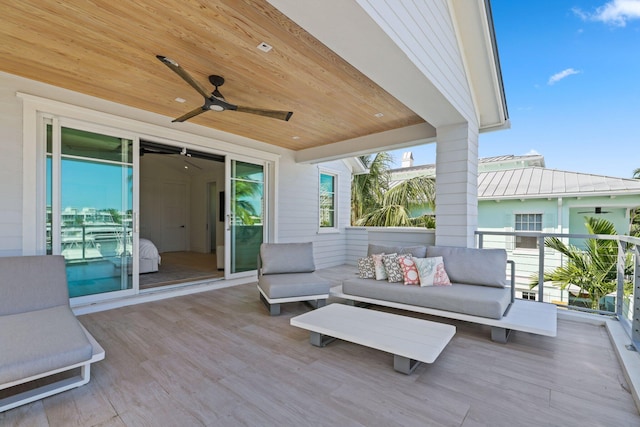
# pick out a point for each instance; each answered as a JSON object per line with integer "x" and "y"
{"x": 10, "y": 173}
{"x": 426, "y": 34}
{"x": 298, "y": 209}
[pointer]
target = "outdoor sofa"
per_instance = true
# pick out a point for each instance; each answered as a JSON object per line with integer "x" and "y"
{"x": 482, "y": 291}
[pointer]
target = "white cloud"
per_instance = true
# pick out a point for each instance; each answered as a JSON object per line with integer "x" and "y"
{"x": 561, "y": 75}
{"x": 532, "y": 152}
{"x": 614, "y": 12}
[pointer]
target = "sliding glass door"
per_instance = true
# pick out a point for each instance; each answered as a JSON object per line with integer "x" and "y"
{"x": 90, "y": 208}
{"x": 245, "y": 216}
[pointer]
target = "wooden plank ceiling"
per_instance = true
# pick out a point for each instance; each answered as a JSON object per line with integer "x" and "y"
{"x": 107, "y": 49}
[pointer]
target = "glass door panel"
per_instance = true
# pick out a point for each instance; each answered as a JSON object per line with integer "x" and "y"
{"x": 94, "y": 204}
{"x": 246, "y": 215}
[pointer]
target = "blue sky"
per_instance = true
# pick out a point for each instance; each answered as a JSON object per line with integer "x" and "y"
{"x": 571, "y": 73}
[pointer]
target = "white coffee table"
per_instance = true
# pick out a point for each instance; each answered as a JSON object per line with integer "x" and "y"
{"x": 410, "y": 340}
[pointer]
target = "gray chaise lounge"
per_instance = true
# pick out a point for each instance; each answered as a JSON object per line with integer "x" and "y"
{"x": 39, "y": 334}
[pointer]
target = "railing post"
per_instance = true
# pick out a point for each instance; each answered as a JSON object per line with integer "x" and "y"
{"x": 540, "y": 268}
{"x": 620, "y": 278}
{"x": 635, "y": 315}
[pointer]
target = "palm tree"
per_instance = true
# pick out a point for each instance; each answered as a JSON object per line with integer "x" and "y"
{"x": 375, "y": 202}
{"x": 367, "y": 190}
{"x": 593, "y": 269}
{"x": 244, "y": 196}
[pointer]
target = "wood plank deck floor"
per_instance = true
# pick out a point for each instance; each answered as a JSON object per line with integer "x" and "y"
{"x": 217, "y": 359}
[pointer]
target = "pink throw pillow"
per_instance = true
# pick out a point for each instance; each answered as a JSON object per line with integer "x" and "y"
{"x": 409, "y": 270}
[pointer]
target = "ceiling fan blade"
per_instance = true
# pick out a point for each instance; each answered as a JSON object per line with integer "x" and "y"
{"x": 274, "y": 114}
{"x": 176, "y": 68}
{"x": 190, "y": 114}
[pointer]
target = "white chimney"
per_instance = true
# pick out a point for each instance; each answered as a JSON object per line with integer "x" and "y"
{"x": 407, "y": 159}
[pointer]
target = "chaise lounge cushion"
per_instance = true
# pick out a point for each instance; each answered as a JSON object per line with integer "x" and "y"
{"x": 483, "y": 301}
{"x": 278, "y": 258}
{"x": 32, "y": 283}
{"x": 293, "y": 285}
{"x": 41, "y": 341}
{"x": 485, "y": 267}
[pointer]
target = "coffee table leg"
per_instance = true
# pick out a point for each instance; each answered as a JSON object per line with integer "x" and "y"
{"x": 404, "y": 364}
{"x": 319, "y": 340}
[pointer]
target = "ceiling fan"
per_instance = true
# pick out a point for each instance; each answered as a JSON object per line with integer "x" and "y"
{"x": 214, "y": 100}
{"x": 597, "y": 211}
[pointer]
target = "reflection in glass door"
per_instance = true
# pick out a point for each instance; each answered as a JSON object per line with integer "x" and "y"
{"x": 89, "y": 209}
{"x": 246, "y": 220}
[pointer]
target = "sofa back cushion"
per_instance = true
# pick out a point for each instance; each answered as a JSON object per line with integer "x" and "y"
{"x": 374, "y": 249}
{"x": 278, "y": 258}
{"x": 30, "y": 283}
{"x": 486, "y": 267}
{"x": 416, "y": 251}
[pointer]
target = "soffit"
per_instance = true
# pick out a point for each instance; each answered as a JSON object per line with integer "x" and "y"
{"x": 107, "y": 49}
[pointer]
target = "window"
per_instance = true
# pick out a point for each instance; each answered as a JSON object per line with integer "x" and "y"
{"x": 328, "y": 200}
{"x": 528, "y": 222}
{"x": 529, "y": 295}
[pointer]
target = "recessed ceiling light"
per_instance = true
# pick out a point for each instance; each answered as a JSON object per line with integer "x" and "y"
{"x": 265, "y": 47}
{"x": 378, "y": 115}
{"x": 295, "y": 137}
{"x": 181, "y": 100}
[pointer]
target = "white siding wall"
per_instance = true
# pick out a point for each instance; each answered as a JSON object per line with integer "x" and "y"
{"x": 10, "y": 173}
{"x": 424, "y": 31}
{"x": 456, "y": 185}
{"x": 298, "y": 208}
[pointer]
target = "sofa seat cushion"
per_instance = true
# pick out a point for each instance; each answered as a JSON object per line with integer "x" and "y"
{"x": 473, "y": 300}
{"x": 40, "y": 341}
{"x": 293, "y": 285}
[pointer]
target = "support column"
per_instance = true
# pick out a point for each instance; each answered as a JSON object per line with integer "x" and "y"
{"x": 456, "y": 185}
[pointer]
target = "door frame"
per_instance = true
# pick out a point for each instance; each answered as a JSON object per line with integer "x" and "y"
{"x": 63, "y": 122}
{"x": 213, "y": 215}
{"x": 267, "y": 210}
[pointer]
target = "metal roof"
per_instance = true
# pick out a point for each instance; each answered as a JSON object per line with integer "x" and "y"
{"x": 535, "y": 182}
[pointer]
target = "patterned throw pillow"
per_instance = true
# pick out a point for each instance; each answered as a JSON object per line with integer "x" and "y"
{"x": 366, "y": 268}
{"x": 378, "y": 265}
{"x": 431, "y": 271}
{"x": 391, "y": 265}
{"x": 409, "y": 270}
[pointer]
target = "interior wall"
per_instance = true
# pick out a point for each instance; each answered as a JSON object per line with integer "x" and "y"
{"x": 214, "y": 172}
{"x": 154, "y": 173}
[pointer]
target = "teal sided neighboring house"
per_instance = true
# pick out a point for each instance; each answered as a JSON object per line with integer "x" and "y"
{"x": 518, "y": 193}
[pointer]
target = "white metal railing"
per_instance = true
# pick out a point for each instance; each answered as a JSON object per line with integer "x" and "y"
{"x": 623, "y": 301}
